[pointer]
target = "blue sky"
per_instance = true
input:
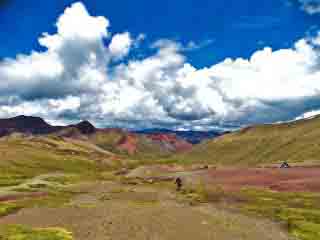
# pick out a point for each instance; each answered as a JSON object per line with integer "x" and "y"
{"x": 225, "y": 28}
{"x": 191, "y": 83}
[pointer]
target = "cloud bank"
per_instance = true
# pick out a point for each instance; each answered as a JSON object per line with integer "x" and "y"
{"x": 85, "y": 73}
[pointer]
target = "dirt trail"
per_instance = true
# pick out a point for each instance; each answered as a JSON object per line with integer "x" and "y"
{"x": 114, "y": 211}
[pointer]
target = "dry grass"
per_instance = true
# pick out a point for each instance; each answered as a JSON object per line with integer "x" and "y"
{"x": 292, "y": 142}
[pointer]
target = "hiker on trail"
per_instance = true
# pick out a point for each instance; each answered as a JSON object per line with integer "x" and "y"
{"x": 285, "y": 165}
{"x": 178, "y": 183}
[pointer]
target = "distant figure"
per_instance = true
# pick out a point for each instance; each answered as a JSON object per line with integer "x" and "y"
{"x": 178, "y": 183}
{"x": 285, "y": 165}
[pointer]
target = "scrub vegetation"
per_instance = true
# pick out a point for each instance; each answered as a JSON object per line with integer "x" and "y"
{"x": 19, "y": 232}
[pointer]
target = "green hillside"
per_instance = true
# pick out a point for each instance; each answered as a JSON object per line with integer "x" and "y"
{"x": 262, "y": 144}
{"x": 23, "y": 157}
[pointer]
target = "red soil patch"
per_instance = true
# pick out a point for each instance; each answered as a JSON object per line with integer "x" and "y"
{"x": 178, "y": 144}
{"x": 292, "y": 179}
{"x": 128, "y": 143}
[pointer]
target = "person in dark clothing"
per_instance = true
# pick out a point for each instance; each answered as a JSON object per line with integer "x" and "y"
{"x": 179, "y": 183}
{"x": 285, "y": 165}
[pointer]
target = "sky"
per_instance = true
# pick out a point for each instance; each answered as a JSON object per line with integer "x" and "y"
{"x": 197, "y": 65}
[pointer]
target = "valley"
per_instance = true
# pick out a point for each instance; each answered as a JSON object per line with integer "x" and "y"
{"x": 81, "y": 182}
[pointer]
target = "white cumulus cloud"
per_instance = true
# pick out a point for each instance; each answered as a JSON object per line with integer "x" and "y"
{"x": 120, "y": 45}
{"x": 76, "y": 78}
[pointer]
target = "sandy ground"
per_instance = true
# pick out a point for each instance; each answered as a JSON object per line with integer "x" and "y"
{"x": 114, "y": 211}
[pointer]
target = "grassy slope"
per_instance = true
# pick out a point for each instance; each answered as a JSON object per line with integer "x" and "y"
{"x": 26, "y": 233}
{"x": 23, "y": 157}
{"x": 298, "y": 211}
{"x": 294, "y": 142}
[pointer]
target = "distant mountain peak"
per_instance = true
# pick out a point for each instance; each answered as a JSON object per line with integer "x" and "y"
{"x": 85, "y": 127}
{"x": 27, "y": 118}
{"x": 25, "y": 124}
{"x": 193, "y": 137}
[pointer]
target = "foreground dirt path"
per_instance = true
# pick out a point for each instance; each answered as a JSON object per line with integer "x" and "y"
{"x": 114, "y": 211}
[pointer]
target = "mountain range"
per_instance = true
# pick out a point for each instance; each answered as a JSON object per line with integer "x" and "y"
{"x": 296, "y": 141}
{"x": 36, "y": 125}
{"x": 194, "y": 137}
{"x": 112, "y": 139}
